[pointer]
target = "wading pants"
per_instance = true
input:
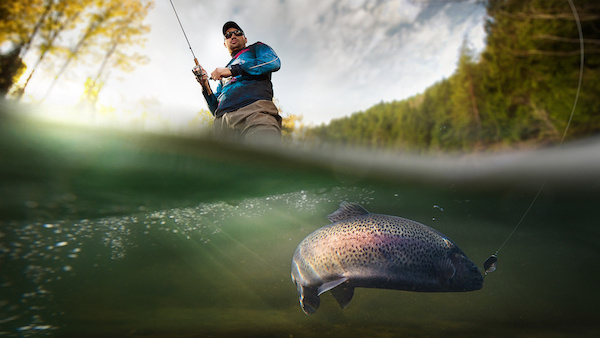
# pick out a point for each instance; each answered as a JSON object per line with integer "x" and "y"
{"x": 256, "y": 122}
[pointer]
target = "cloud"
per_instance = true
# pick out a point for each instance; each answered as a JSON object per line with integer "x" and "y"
{"x": 348, "y": 55}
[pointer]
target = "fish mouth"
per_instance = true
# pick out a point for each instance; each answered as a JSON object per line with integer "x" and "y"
{"x": 474, "y": 279}
{"x": 467, "y": 276}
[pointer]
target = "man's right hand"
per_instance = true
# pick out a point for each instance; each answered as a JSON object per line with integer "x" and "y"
{"x": 201, "y": 77}
{"x": 200, "y": 74}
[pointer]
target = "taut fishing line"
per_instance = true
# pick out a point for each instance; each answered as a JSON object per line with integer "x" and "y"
{"x": 491, "y": 263}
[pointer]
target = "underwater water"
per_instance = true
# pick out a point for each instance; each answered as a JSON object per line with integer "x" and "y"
{"x": 112, "y": 234}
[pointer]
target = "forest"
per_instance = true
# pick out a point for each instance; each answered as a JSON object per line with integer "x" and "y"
{"x": 518, "y": 92}
{"x": 67, "y": 33}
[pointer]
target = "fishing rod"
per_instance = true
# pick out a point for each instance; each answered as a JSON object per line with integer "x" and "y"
{"x": 490, "y": 264}
{"x": 198, "y": 69}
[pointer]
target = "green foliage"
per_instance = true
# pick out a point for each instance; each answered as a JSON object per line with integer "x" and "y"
{"x": 11, "y": 69}
{"x": 520, "y": 90}
{"x": 91, "y": 90}
{"x": 203, "y": 119}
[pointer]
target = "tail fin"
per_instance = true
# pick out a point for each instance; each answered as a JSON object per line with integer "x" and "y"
{"x": 309, "y": 300}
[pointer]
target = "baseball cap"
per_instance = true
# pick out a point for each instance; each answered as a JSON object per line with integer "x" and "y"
{"x": 230, "y": 24}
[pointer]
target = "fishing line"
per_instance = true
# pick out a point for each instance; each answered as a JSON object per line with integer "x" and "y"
{"x": 490, "y": 264}
{"x": 183, "y": 30}
{"x": 197, "y": 70}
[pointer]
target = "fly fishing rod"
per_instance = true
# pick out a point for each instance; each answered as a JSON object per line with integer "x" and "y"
{"x": 490, "y": 264}
{"x": 198, "y": 69}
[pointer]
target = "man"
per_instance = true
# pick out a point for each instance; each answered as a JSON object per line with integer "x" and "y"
{"x": 243, "y": 103}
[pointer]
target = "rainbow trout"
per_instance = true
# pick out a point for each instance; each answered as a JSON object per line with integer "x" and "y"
{"x": 361, "y": 249}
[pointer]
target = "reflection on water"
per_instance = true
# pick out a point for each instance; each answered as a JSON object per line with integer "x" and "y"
{"x": 175, "y": 238}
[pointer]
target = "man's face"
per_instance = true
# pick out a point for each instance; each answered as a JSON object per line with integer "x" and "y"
{"x": 234, "y": 43}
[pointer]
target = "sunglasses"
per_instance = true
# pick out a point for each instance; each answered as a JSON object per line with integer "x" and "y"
{"x": 237, "y": 33}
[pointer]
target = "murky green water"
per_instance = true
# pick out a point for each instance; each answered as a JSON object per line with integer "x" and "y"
{"x": 110, "y": 234}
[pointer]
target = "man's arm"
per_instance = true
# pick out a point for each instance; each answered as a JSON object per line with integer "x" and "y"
{"x": 209, "y": 96}
{"x": 266, "y": 61}
{"x": 220, "y": 73}
{"x": 211, "y": 101}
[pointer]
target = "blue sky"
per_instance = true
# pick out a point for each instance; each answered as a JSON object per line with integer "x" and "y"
{"x": 338, "y": 57}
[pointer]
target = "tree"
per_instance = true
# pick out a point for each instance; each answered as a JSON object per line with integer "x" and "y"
{"x": 59, "y": 16}
{"x": 125, "y": 30}
{"x": 521, "y": 90}
{"x": 105, "y": 20}
{"x": 68, "y": 30}
{"x": 466, "y": 119}
{"x": 532, "y": 57}
{"x": 20, "y": 21}
{"x": 11, "y": 68}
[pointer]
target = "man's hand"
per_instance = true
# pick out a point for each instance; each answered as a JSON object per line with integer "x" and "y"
{"x": 202, "y": 78}
{"x": 201, "y": 75}
{"x": 220, "y": 73}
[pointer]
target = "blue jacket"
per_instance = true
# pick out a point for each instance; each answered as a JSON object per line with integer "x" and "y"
{"x": 251, "y": 70}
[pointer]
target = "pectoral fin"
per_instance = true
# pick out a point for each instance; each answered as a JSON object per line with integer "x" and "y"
{"x": 446, "y": 269}
{"x": 341, "y": 291}
{"x": 330, "y": 285}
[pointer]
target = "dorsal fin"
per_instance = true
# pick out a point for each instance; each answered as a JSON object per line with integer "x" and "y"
{"x": 347, "y": 210}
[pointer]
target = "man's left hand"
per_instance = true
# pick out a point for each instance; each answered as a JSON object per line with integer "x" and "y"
{"x": 220, "y": 73}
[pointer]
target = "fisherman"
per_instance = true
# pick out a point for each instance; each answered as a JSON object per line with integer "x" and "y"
{"x": 243, "y": 103}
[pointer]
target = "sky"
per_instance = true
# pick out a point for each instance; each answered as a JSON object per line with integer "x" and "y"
{"x": 338, "y": 56}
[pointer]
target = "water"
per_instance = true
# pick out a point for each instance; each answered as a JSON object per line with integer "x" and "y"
{"x": 106, "y": 233}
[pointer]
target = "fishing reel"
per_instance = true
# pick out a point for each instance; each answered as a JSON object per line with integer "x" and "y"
{"x": 197, "y": 70}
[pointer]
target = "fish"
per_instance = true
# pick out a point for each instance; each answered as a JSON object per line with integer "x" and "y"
{"x": 369, "y": 250}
